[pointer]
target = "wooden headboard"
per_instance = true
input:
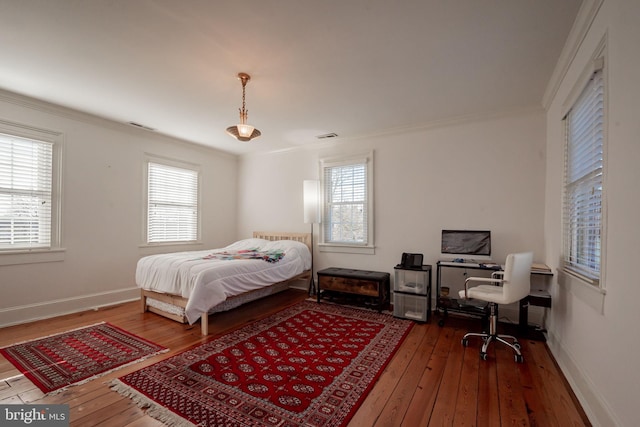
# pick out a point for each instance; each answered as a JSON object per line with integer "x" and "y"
{"x": 274, "y": 235}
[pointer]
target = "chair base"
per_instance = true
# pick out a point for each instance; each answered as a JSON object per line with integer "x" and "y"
{"x": 492, "y": 335}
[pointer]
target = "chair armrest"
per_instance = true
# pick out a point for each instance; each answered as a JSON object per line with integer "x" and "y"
{"x": 497, "y": 274}
{"x": 493, "y": 280}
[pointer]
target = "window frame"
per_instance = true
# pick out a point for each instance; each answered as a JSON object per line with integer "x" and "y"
{"x": 575, "y": 268}
{"x": 54, "y": 251}
{"x": 329, "y": 246}
{"x": 178, "y": 164}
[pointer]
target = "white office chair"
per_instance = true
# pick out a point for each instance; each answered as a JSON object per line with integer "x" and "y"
{"x": 503, "y": 287}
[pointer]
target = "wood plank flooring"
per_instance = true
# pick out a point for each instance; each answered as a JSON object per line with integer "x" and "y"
{"x": 432, "y": 379}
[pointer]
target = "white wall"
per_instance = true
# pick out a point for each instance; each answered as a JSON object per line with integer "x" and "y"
{"x": 102, "y": 204}
{"x": 594, "y": 337}
{"x": 483, "y": 174}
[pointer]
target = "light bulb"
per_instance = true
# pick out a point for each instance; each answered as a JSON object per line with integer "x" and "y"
{"x": 245, "y": 130}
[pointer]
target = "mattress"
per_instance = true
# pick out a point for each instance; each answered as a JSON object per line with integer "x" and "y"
{"x": 207, "y": 278}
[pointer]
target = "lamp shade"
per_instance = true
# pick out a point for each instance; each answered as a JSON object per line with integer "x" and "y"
{"x": 243, "y": 132}
{"x": 311, "y": 197}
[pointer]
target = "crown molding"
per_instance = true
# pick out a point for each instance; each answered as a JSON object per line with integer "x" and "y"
{"x": 581, "y": 26}
{"x": 70, "y": 113}
{"x": 395, "y": 131}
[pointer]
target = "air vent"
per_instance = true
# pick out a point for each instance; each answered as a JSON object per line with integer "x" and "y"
{"x": 327, "y": 135}
{"x": 138, "y": 125}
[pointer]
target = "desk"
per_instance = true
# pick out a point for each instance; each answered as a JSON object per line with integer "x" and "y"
{"x": 540, "y": 298}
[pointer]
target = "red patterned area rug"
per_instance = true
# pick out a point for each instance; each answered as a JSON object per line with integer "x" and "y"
{"x": 310, "y": 364}
{"x": 69, "y": 358}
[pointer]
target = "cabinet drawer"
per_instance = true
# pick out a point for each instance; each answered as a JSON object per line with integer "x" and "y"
{"x": 351, "y": 286}
{"x": 414, "y": 307}
{"x": 411, "y": 281}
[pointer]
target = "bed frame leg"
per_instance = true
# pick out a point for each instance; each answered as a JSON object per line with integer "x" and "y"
{"x": 143, "y": 301}
{"x": 204, "y": 324}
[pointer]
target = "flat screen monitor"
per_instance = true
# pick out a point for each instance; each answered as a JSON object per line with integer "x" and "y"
{"x": 466, "y": 242}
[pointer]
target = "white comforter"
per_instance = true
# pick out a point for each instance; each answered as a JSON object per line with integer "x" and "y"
{"x": 208, "y": 282}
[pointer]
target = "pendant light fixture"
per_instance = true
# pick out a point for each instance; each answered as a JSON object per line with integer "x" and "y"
{"x": 242, "y": 131}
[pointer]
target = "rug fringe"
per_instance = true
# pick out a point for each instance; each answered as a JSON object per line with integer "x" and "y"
{"x": 151, "y": 408}
{"x": 351, "y": 306}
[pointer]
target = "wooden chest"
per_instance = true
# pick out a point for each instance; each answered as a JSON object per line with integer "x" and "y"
{"x": 372, "y": 285}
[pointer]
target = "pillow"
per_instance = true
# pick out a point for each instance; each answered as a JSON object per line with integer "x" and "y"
{"x": 245, "y": 244}
{"x": 285, "y": 245}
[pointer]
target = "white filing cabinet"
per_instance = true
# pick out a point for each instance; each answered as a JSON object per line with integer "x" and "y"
{"x": 412, "y": 293}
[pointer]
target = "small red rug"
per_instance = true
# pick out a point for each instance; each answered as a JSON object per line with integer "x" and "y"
{"x": 72, "y": 357}
{"x": 310, "y": 364}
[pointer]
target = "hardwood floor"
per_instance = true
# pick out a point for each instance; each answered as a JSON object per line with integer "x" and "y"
{"x": 432, "y": 379}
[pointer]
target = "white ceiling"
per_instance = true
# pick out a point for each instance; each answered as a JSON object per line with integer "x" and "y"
{"x": 353, "y": 67}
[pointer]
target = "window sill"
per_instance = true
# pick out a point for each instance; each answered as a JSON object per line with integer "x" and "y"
{"x": 348, "y": 249}
{"x": 591, "y": 295}
{"x": 152, "y": 248}
{"x": 33, "y": 256}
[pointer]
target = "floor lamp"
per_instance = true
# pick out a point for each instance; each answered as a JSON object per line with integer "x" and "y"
{"x": 311, "y": 197}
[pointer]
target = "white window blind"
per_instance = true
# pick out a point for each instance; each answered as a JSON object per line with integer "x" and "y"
{"x": 172, "y": 204}
{"x": 25, "y": 193}
{"x": 346, "y": 205}
{"x": 583, "y": 182}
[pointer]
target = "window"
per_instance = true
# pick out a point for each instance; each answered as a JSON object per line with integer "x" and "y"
{"x": 172, "y": 203}
{"x": 583, "y": 183}
{"x": 28, "y": 194}
{"x": 347, "y": 204}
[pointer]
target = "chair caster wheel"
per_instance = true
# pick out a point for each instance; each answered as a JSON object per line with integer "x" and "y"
{"x": 465, "y": 342}
{"x": 519, "y": 358}
{"x": 517, "y": 345}
{"x": 483, "y": 356}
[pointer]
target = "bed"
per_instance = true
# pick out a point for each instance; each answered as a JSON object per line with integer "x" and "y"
{"x": 187, "y": 286}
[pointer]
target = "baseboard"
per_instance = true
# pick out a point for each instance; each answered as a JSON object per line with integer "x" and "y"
{"x": 592, "y": 401}
{"x": 511, "y": 314}
{"x": 302, "y": 286}
{"x": 46, "y": 310}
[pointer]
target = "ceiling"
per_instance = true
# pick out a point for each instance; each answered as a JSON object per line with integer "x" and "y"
{"x": 353, "y": 67}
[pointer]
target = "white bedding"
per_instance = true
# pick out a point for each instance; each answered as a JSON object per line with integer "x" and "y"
{"x": 208, "y": 282}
